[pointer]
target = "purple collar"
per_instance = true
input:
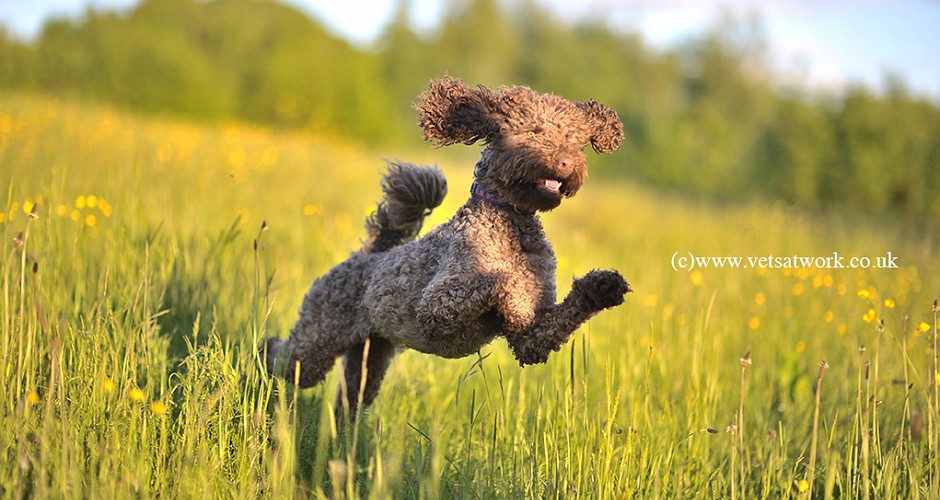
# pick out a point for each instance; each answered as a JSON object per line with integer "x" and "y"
{"x": 478, "y": 191}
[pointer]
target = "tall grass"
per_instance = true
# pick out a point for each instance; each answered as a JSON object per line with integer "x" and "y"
{"x": 160, "y": 253}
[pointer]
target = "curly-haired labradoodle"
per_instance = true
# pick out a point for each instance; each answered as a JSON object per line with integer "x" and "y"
{"x": 488, "y": 272}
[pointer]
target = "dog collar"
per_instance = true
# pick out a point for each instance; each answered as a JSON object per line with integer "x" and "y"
{"x": 480, "y": 192}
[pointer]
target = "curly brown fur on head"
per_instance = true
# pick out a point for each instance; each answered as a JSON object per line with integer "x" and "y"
{"x": 534, "y": 154}
{"x": 451, "y": 112}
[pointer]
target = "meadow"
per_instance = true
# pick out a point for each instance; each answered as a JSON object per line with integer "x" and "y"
{"x": 143, "y": 259}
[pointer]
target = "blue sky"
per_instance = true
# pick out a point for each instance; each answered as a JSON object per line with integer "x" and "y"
{"x": 820, "y": 43}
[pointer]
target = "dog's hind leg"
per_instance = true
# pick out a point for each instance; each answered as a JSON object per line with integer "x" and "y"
{"x": 377, "y": 353}
{"x": 313, "y": 355}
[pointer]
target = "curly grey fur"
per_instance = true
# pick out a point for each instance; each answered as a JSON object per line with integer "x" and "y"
{"x": 488, "y": 272}
{"x": 410, "y": 194}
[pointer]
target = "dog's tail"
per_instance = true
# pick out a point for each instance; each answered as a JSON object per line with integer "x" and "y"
{"x": 410, "y": 193}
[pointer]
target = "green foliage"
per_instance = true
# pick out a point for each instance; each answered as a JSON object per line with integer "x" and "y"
{"x": 708, "y": 118}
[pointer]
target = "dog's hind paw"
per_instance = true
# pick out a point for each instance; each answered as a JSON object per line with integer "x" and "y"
{"x": 270, "y": 354}
{"x": 602, "y": 289}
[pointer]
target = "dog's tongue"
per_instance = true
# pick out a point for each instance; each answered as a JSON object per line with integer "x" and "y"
{"x": 552, "y": 185}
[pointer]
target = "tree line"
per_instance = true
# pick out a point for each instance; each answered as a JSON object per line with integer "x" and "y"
{"x": 709, "y": 117}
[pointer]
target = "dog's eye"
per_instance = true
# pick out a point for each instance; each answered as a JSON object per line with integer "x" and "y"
{"x": 536, "y": 131}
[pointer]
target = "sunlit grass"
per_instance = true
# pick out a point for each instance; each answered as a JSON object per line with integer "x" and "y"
{"x": 143, "y": 260}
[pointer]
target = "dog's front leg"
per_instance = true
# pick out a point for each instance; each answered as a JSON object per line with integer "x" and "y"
{"x": 553, "y": 326}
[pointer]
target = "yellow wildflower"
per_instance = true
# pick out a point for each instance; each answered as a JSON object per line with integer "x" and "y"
{"x": 236, "y": 158}
{"x": 90, "y": 220}
{"x": 870, "y": 316}
{"x": 158, "y": 407}
{"x": 135, "y": 394}
{"x": 864, "y": 294}
{"x": 311, "y": 209}
{"x": 922, "y": 327}
{"x": 889, "y": 303}
{"x": 753, "y": 323}
{"x": 696, "y": 278}
{"x": 80, "y": 202}
{"x": 829, "y": 316}
{"x": 803, "y": 485}
{"x": 668, "y": 309}
{"x": 91, "y": 201}
{"x": 32, "y": 397}
{"x": 760, "y": 298}
{"x": 800, "y": 346}
{"x": 105, "y": 207}
{"x": 107, "y": 385}
{"x": 61, "y": 210}
{"x": 797, "y": 289}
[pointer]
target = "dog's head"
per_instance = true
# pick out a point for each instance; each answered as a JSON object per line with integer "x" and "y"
{"x": 535, "y": 142}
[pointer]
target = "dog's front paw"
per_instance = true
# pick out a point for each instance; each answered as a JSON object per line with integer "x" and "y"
{"x": 602, "y": 289}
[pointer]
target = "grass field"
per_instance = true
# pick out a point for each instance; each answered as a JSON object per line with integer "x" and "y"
{"x": 143, "y": 259}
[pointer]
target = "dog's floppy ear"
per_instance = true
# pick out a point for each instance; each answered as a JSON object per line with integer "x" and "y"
{"x": 608, "y": 131}
{"x": 451, "y": 112}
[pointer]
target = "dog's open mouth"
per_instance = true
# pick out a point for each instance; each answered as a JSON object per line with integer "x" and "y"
{"x": 551, "y": 185}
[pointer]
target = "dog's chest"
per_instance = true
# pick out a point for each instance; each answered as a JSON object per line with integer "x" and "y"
{"x": 514, "y": 250}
